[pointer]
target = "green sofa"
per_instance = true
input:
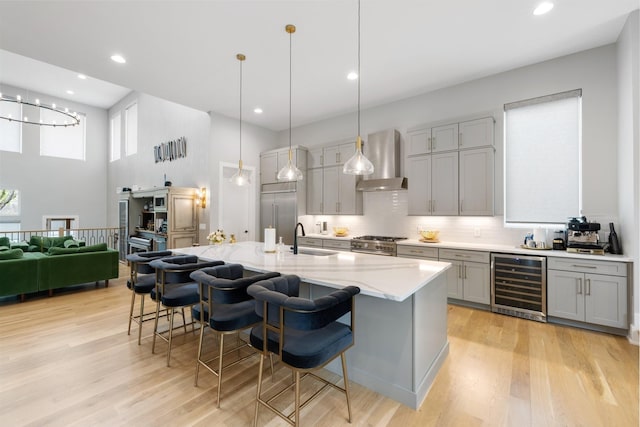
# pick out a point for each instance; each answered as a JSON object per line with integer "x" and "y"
{"x": 27, "y": 272}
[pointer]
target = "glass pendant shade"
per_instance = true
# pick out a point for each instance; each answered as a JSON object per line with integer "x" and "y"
{"x": 358, "y": 164}
{"x": 290, "y": 172}
{"x": 241, "y": 177}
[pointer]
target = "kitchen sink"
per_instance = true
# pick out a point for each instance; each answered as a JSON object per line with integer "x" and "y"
{"x": 315, "y": 252}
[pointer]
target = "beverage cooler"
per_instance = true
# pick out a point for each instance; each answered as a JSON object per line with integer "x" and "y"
{"x": 519, "y": 286}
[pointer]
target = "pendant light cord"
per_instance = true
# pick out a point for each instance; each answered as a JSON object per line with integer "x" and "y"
{"x": 290, "y": 91}
{"x": 359, "y": 77}
{"x": 241, "y": 110}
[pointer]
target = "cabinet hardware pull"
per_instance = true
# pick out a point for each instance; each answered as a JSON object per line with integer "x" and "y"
{"x": 587, "y": 286}
{"x": 459, "y": 272}
{"x": 460, "y": 205}
{"x": 459, "y": 139}
{"x": 584, "y": 266}
{"x": 321, "y": 159}
{"x": 429, "y": 205}
{"x": 461, "y": 256}
{"x": 579, "y": 282}
{"x": 433, "y": 143}
{"x": 428, "y": 143}
{"x": 338, "y": 157}
{"x": 465, "y": 271}
{"x": 433, "y": 205}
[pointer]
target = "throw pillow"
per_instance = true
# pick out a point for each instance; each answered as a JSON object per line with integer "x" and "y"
{"x": 62, "y": 251}
{"x": 71, "y": 243}
{"x": 4, "y": 241}
{"x": 93, "y": 248}
{"x": 4, "y": 248}
{"x": 11, "y": 254}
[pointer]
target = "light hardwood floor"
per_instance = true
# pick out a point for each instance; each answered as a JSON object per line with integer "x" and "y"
{"x": 68, "y": 361}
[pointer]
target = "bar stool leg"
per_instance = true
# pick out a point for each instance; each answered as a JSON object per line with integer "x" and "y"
{"x": 297, "y": 409}
{"x": 199, "y": 357}
{"x": 141, "y": 317}
{"x": 255, "y": 418}
{"x": 133, "y": 301}
{"x": 220, "y": 367}
{"x": 346, "y": 383}
{"x": 155, "y": 327}
{"x": 173, "y": 311}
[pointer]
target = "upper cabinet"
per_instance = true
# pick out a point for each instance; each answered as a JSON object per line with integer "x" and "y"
{"x": 451, "y": 168}
{"x": 272, "y": 161}
{"x": 338, "y": 154}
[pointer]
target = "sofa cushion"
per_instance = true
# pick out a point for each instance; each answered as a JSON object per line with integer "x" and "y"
{"x": 71, "y": 243}
{"x": 4, "y": 248}
{"x": 75, "y": 250}
{"x": 42, "y": 243}
{"x": 11, "y": 254}
{"x": 4, "y": 241}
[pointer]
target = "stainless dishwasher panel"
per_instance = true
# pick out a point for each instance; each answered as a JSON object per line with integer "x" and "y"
{"x": 519, "y": 286}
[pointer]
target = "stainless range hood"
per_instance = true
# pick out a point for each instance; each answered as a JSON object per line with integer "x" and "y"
{"x": 383, "y": 150}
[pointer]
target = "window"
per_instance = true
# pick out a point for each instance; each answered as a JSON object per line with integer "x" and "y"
{"x": 66, "y": 142}
{"x": 542, "y": 163}
{"x": 10, "y": 132}
{"x": 131, "y": 129}
{"x": 116, "y": 137}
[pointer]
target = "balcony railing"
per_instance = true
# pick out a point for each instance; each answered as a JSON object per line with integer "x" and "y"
{"x": 90, "y": 236}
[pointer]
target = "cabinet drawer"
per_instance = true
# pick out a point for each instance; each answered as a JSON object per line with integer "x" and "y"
{"x": 417, "y": 251}
{"x": 336, "y": 244}
{"x": 588, "y": 266}
{"x": 309, "y": 241}
{"x": 455, "y": 254}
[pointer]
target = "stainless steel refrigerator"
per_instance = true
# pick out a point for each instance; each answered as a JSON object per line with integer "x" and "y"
{"x": 280, "y": 211}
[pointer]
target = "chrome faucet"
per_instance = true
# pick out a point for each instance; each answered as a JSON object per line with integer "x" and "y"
{"x": 295, "y": 237}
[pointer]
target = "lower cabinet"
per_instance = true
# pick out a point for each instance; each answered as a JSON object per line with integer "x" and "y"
{"x": 468, "y": 279}
{"x": 591, "y": 297}
{"x": 327, "y": 243}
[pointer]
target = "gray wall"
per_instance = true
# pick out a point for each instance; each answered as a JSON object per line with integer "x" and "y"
{"x": 55, "y": 186}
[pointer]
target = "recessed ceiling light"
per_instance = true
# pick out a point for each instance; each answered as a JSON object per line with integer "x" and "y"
{"x": 82, "y": 77}
{"x": 118, "y": 58}
{"x": 543, "y": 8}
{"x": 70, "y": 92}
{"x": 257, "y": 110}
{"x": 352, "y": 75}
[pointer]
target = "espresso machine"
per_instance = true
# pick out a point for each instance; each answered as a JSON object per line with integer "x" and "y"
{"x": 582, "y": 237}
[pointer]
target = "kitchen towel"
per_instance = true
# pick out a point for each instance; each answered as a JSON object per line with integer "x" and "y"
{"x": 269, "y": 240}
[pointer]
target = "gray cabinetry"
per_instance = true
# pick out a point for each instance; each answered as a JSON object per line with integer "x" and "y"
{"x": 588, "y": 291}
{"x": 272, "y": 161}
{"x": 469, "y": 277}
{"x": 448, "y": 173}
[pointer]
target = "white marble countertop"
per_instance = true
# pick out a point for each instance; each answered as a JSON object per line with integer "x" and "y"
{"x": 378, "y": 276}
{"x": 513, "y": 249}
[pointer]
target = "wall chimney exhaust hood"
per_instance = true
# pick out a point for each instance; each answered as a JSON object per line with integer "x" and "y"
{"x": 383, "y": 150}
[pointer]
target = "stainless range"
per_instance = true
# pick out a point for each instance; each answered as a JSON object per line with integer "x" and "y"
{"x": 378, "y": 245}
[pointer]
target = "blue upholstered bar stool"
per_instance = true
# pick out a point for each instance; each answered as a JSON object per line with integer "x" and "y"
{"x": 227, "y": 308}
{"x": 305, "y": 333}
{"x": 174, "y": 289}
{"x": 141, "y": 282}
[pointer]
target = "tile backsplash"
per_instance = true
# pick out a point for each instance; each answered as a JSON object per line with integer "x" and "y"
{"x": 385, "y": 213}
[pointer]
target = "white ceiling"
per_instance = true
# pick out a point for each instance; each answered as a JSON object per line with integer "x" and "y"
{"x": 184, "y": 51}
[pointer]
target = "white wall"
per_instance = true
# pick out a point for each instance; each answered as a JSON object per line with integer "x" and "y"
{"x": 594, "y": 71}
{"x": 629, "y": 153}
{"x": 211, "y": 139}
{"x": 55, "y": 186}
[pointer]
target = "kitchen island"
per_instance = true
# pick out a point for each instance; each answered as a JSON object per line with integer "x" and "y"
{"x": 400, "y": 314}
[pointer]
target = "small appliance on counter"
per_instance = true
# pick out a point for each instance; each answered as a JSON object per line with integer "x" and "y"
{"x": 582, "y": 237}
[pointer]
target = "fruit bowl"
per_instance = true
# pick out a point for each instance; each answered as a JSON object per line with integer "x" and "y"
{"x": 429, "y": 234}
{"x": 340, "y": 231}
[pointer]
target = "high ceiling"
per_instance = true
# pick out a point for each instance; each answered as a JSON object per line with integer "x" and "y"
{"x": 184, "y": 51}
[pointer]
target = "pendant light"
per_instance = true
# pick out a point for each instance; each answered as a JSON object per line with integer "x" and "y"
{"x": 290, "y": 172}
{"x": 241, "y": 177}
{"x": 358, "y": 164}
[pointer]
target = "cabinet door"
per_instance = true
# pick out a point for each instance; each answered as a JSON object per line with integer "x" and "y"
{"x": 268, "y": 168}
{"x": 606, "y": 300}
{"x": 444, "y": 138}
{"x": 476, "y": 182}
{"x": 182, "y": 216}
{"x": 476, "y": 133}
{"x": 267, "y": 209}
{"x": 314, "y": 191}
{"x": 331, "y": 190}
{"x": 444, "y": 184}
{"x": 338, "y": 154}
{"x": 349, "y": 200}
{"x": 314, "y": 158}
{"x": 181, "y": 240}
{"x": 476, "y": 282}
{"x": 565, "y": 294}
{"x": 419, "y": 191}
{"x": 418, "y": 142}
{"x": 454, "y": 280}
